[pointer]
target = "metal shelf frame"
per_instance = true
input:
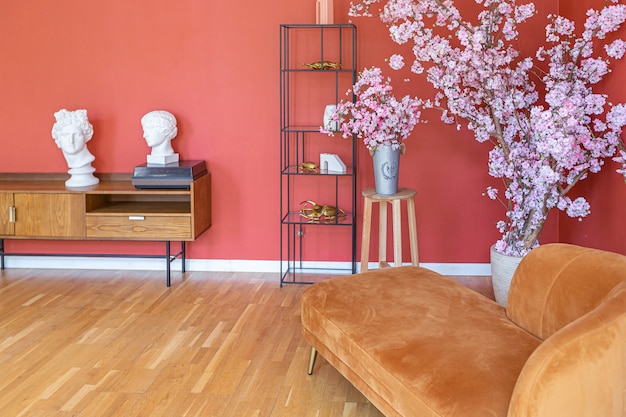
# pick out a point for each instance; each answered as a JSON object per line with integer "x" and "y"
{"x": 337, "y": 43}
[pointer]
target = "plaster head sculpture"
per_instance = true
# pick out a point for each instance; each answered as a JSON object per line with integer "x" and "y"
{"x": 71, "y": 132}
{"x": 159, "y": 128}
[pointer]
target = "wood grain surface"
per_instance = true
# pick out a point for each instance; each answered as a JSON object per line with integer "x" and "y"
{"x": 118, "y": 343}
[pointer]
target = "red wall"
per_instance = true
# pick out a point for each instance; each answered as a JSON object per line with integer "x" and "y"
{"x": 215, "y": 66}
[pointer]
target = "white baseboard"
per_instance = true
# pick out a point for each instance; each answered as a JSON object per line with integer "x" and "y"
{"x": 216, "y": 265}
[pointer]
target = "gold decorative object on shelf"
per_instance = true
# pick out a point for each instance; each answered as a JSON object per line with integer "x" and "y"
{"x": 317, "y": 213}
{"x": 310, "y": 167}
{"x": 323, "y": 65}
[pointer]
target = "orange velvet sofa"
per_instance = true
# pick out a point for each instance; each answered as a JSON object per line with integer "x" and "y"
{"x": 416, "y": 343}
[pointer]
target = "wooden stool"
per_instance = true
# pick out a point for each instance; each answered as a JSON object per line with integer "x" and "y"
{"x": 395, "y": 200}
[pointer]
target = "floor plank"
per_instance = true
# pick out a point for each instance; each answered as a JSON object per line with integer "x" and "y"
{"x": 113, "y": 343}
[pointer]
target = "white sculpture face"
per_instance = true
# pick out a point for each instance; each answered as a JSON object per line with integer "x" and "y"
{"x": 159, "y": 142}
{"x": 71, "y": 139}
{"x": 71, "y": 132}
{"x": 154, "y": 136}
{"x": 159, "y": 128}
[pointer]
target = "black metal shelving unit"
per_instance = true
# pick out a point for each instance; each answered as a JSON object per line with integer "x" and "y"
{"x": 303, "y": 93}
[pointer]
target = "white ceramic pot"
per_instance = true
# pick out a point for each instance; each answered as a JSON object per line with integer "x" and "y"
{"x": 502, "y": 269}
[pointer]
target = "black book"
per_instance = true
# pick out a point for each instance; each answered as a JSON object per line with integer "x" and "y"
{"x": 175, "y": 175}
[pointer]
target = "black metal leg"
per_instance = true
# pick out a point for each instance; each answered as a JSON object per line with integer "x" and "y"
{"x": 168, "y": 261}
{"x": 168, "y": 257}
{"x": 182, "y": 254}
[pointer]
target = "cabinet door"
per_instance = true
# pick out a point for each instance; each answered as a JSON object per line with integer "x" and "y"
{"x": 7, "y": 227}
{"x": 50, "y": 215}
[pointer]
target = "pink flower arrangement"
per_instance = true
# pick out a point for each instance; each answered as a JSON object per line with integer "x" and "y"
{"x": 376, "y": 116}
{"x": 548, "y": 127}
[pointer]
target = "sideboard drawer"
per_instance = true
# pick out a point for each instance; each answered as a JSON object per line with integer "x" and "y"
{"x": 139, "y": 227}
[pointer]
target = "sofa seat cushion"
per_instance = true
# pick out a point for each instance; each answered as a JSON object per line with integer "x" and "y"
{"x": 416, "y": 343}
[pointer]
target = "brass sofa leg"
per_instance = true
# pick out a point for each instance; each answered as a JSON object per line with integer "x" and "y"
{"x": 312, "y": 360}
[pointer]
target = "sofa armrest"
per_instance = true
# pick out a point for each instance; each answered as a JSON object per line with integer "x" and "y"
{"x": 557, "y": 283}
{"x": 579, "y": 371}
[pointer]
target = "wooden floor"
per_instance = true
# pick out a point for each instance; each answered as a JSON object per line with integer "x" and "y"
{"x": 119, "y": 343}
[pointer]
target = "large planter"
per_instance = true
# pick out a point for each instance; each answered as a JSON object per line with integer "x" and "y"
{"x": 386, "y": 169}
{"x": 502, "y": 269}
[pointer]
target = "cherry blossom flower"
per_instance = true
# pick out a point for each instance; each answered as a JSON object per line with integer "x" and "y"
{"x": 548, "y": 127}
{"x": 376, "y": 116}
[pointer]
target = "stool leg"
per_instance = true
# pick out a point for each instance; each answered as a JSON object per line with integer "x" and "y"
{"x": 410, "y": 203}
{"x": 382, "y": 235}
{"x": 397, "y": 233}
{"x": 365, "y": 240}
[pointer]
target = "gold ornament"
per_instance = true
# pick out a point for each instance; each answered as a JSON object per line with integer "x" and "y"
{"x": 308, "y": 167}
{"x": 317, "y": 213}
{"x": 323, "y": 65}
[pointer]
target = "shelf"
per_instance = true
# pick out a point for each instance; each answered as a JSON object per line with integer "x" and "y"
{"x": 294, "y": 170}
{"x": 319, "y": 71}
{"x": 294, "y": 217}
{"x": 312, "y": 129}
{"x": 305, "y": 129}
{"x": 39, "y": 206}
{"x": 304, "y": 94}
{"x": 132, "y": 208}
{"x": 311, "y": 275}
{"x": 318, "y": 26}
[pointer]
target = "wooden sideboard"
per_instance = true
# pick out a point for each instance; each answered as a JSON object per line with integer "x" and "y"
{"x": 39, "y": 206}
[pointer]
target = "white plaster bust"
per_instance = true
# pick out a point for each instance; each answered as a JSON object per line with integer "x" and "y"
{"x": 159, "y": 128}
{"x": 71, "y": 132}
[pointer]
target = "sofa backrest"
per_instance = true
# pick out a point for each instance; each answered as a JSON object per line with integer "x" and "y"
{"x": 557, "y": 283}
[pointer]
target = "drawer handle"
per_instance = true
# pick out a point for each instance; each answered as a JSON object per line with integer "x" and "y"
{"x": 136, "y": 218}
